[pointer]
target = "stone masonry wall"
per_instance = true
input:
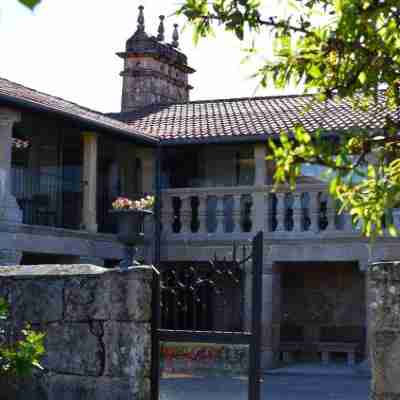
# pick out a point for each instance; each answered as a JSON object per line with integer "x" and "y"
{"x": 97, "y": 326}
{"x": 384, "y": 329}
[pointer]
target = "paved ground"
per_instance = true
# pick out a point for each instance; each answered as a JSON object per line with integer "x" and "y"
{"x": 275, "y": 387}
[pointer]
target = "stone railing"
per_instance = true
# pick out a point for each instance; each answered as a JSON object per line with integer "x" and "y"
{"x": 200, "y": 213}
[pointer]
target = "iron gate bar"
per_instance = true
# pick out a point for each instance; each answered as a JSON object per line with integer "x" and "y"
{"x": 255, "y": 346}
{"x": 204, "y": 336}
{"x": 253, "y": 338}
{"x": 155, "y": 342}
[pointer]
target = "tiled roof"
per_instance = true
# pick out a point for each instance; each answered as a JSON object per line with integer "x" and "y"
{"x": 250, "y": 117}
{"x": 20, "y": 95}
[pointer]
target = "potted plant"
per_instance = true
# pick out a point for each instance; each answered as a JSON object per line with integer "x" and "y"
{"x": 130, "y": 218}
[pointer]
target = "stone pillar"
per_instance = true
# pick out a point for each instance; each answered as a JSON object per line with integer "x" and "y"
{"x": 270, "y": 314}
{"x": 259, "y": 206}
{"x": 148, "y": 157}
{"x": 89, "y": 211}
{"x": 260, "y": 152}
{"x": 384, "y": 325}
{"x": 97, "y": 326}
{"x": 9, "y": 210}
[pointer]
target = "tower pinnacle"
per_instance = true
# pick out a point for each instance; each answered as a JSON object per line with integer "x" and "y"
{"x": 161, "y": 29}
{"x": 140, "y": 19}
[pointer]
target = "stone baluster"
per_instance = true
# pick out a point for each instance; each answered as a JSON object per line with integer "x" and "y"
{"x": 186, "y": 215}
{"x": 237, "y": 215}
{"x": 330, "y": 213}
{"x": 314, "y": 211}
{"x": 280, "y": 212}
{"x": 219, "y": 215}
{"x": 202, "y": 214}
{"x": 347, "y": 223}
{"x": 297, "y": 212}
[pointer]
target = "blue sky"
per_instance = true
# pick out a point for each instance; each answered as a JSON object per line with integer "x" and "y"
{"x": 67, "y": 48}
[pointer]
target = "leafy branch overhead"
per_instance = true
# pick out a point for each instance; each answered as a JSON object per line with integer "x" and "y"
{"x": 337, "y": 50}
{"x": 29, "y": 3}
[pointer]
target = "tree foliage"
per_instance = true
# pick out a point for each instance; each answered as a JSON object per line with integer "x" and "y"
{"x": 338, "y": 50}
{"x": 24, "y": 356}
{"x": 29, "y": 3}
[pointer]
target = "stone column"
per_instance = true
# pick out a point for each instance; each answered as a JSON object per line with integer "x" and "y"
{"x": 384, "y": 325}
{"x": 270, "y": 311}
{"x": 148, "y": 157}
{"x": 9, "y": 210}
{"x": 10, "y": 213}
{"x": 260, "y": 152}
{"x": 259, "y": 206}
{"x": 89, "y": 211}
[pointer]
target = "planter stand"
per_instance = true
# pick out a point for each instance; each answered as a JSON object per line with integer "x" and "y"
{"x": 130, "y": 232}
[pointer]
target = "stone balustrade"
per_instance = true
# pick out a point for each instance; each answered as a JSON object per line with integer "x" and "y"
{"x": 222, "y": 212}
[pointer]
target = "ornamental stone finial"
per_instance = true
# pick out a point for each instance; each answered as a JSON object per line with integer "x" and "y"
{"x": 161, "y": 29}
{"x": 140, "y": 20}
{"x": 175, "y": 36}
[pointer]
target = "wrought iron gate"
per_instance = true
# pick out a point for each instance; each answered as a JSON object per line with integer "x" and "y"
{"x": 183, "y": 302}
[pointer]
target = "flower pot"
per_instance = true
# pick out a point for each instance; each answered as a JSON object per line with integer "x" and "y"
{"x": 130, "y": 225}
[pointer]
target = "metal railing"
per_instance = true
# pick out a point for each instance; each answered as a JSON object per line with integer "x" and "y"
{"x": 47, "y": 199}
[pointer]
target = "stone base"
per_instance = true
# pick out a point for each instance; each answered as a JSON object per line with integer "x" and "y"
{"x": 10, "y": 257}
{"x": 61, "y": 386}
{"x": 10, "y": 213}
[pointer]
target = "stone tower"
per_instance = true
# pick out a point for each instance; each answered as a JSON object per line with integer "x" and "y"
{"x": 154, "y": 72}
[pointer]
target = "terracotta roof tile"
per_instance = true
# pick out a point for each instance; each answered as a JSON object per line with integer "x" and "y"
{"x": 29, "y": 97}
{"x": 251, "y": 117}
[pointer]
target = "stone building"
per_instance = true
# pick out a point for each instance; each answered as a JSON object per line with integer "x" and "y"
{"x": 61, "y": 166}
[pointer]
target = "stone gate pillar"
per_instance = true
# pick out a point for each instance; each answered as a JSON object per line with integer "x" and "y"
{"x": 384, "y": 328}
{"x": 270, "y": 314}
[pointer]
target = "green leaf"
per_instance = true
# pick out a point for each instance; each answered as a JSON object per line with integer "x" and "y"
{"x": 30, "y": 3}
{"x": 362, "y": 77}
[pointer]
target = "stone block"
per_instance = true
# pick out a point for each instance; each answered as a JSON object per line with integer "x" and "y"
{"x": 129, "y": 349}
{"x": 87, "y": 298}
{"x": 67, "y": 387}
{"x": 384, "y": 325}
{"x": 75, "y": 348}
{"x": 130, "y": 296}
{"x": 37, "y": 301}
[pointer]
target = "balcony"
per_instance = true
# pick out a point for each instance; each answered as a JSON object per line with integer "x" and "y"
{"x": 47, "y": 199}
{"x": 237, "y": 213}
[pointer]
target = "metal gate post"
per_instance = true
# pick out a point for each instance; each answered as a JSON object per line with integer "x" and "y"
{"x": 155, "y": 343}
{"x": 255, "y": 346}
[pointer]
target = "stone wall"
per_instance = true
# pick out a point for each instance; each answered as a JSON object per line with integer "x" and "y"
{"x": 97, "y": 326}
{"x": 384, "y": 329}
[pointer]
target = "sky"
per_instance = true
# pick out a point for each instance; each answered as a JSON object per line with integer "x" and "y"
{"x": 67, "y": 48}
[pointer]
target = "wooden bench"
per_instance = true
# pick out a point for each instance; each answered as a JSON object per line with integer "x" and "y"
{"x": 325, "y": 348}
{"x": 350, "y": 349}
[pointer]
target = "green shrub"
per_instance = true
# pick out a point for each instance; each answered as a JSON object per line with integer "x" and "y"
{"x": 21, "y": 358}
